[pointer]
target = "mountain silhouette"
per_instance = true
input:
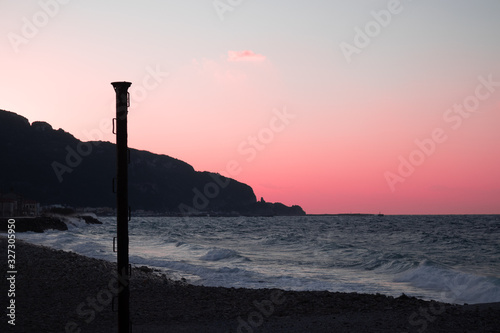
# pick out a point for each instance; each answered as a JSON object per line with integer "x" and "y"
{"x": 53, "y": 167}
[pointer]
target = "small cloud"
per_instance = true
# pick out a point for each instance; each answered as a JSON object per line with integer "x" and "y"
{"x": 244, "y": 56}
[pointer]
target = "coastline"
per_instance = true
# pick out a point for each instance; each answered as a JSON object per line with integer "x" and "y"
{"x": 45, "y": 222}
{"x": 58, "y": 291}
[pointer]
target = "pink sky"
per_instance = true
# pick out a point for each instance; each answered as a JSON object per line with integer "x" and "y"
{"x": 271, "y": 91}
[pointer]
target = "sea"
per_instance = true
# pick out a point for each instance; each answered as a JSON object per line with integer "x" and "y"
{"x": 449, "y": 258}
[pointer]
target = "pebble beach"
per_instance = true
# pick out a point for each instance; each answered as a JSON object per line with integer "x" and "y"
{"x": 58, "y": 291}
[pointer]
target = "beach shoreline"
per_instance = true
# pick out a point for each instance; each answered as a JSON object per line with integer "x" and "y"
{"x": 58, "y": 291}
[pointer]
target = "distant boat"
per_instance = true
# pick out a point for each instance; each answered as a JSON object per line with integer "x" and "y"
{"x": 380, "y": 214}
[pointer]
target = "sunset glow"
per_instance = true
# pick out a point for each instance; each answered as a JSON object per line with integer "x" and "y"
{"x": 403, "y": 120}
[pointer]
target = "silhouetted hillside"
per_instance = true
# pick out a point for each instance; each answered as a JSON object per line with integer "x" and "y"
{"x": 273, "y": 209}
{"x": 52, "y": 166}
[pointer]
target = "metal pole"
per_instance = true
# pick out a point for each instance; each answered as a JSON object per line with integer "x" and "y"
{"x": 122, "y": 211}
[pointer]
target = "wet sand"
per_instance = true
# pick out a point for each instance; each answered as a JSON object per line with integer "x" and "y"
{"x": 57, "y": 291}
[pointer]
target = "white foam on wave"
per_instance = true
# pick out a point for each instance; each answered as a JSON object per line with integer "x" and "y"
{"x": 198, "y": 274}
{"x": 323, "y": 263}
{"x": 217, "y": 254}
{"x": 73, "y": 222}
{"x": 452, "y": 285}
{"x": 77, "y": 239}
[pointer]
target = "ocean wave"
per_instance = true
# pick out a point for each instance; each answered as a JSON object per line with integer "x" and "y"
{"x": 199, "y": 274}
{"x": 73, "y": 222}
{"x": 217, "y": 254}
{"x": 454, "y": 286}
{"x": 348, "y": 255}
{"x": 388, "y": 266}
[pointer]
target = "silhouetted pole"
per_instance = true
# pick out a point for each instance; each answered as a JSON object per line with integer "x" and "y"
{"x": 122, "y": 210}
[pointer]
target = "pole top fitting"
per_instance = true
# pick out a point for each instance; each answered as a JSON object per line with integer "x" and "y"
{"x": 121, "y": 85}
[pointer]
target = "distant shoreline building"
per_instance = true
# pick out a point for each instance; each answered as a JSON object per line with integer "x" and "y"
{"x": 7, "y": 207}
{"x": 13, "y": 204}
